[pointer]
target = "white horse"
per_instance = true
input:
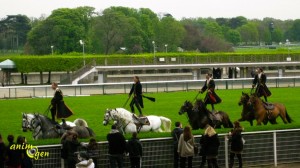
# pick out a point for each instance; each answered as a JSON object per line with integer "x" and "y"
{"x": 126, "y": 121}
{"x": 26, "y": 120}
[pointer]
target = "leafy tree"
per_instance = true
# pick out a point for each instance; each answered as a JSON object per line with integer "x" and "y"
{"x": 294, "y": 31}
{"x": 237, "y": 22}
{"x": 248, "y": 33}
{"x": 233, "y": 36}
{"x": 170, "y": 32}
{"x": 63, "y": 29}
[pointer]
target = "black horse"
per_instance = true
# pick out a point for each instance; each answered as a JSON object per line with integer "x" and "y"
{"x": 199, "y": 116}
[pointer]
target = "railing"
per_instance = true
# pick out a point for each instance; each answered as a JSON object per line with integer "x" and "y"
{"x": 261, "y": 149}
{"x": 124, "y": 87}
{"x": 121, "y": 61}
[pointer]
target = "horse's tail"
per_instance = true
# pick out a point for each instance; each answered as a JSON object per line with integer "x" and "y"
{"x": 80, "y": 122}
{"x": 288, "y": 118}
{"x": 91, "y": 132}
{"x": 166, "y": 123}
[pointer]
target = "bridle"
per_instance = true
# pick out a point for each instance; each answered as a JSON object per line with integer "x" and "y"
{"x": 112, "y": 117}
{"x": 35, "y": 126}
{"x": 25, "y": 122}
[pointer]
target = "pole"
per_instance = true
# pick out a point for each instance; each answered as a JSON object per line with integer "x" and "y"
{"x": 83, "y": 54}
{"x": 226, "y": 150}
{"x": 275, "y": 148}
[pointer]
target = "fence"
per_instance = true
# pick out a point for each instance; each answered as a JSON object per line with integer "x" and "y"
{"x": 261, "y": 149}
{"x": 158, "y": 86}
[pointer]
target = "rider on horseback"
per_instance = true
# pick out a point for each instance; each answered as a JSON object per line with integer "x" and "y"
{"x": 137, "y": 99}
{"x": 260, "y": 83}
{"x": 211, "y": 97}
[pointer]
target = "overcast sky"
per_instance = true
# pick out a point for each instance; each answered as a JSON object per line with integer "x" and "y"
{"x": 280, "y": 9}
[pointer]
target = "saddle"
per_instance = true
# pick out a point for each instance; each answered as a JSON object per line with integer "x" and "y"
{"x": 214, "y": 116}
{"x": 268, "y": 106}
{"x": 140, "y": 121}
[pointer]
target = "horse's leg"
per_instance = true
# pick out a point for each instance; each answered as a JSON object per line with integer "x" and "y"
{"x": 282, "y": 113}
{"x": 251, "y": 122}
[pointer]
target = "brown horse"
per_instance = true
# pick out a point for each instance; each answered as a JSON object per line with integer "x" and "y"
{"x": 248, "y": 112}
{"x": 262, "y": 114}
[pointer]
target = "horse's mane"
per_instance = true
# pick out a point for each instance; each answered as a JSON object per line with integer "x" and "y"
{"x": 45, "y": 118}
{"x": 200, "y": 103}
{"x": 123, "y": 113}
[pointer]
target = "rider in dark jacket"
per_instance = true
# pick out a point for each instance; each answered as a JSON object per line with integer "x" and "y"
{"x": 211, "y": 96}
{"x": 259, "y": 81}
{"x": 137, "y": 99}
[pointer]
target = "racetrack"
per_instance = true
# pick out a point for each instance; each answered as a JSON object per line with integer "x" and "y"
{"x": 92, "y": 110}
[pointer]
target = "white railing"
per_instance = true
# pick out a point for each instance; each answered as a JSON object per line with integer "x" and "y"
{"x": 261, "y": 148}
{"x": 124, "y": 87}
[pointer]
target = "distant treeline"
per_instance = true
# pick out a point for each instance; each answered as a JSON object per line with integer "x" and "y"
{"x": 119, "y": 30}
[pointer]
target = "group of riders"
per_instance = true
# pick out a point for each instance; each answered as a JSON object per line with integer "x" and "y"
{"x": 60, "y": 110}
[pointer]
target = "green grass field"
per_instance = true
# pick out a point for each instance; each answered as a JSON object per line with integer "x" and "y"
{"x": 92, "y": 110}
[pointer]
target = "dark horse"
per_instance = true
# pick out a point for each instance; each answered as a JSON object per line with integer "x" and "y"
{"x": 44, "y": 128}
{"x": 199, "y": 116}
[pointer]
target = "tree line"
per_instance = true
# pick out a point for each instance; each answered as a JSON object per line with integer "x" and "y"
{"x": 133, "y": 31}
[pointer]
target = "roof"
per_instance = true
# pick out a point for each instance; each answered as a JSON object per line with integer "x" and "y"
{"x": 7, "y": 64}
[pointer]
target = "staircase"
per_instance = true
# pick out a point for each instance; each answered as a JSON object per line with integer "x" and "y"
{"x": 76, "y": 76}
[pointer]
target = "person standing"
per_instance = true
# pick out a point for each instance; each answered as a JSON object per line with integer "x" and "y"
{"x": 56, "y": 101}
{"x": 259, "y": 81}
{"x": 70, "y": 145}
{"x": 211, "y": 143}
{"x": 176, "y": 135}
{"x": 2, "y": 152}
{"x": 13, "y": 157}
{"x": 26, "y": 161}
{"x": 237, "y": 145}
{"x": 135, "y": 150}
{"x": 185, "y": 149}
{"x": 211, "y": 97}
{"x": 116, "y": 147}
{"x": 202, "y": 152}
{"x": 137, "y": 98}
{"x": 93, "y": 151}
{"x": 58, "y": 107}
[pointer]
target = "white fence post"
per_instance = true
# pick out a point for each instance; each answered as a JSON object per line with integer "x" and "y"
{"x": 226, "y": 151}
{"x": 275, "y": 148}
{"x": 62, "y": 163}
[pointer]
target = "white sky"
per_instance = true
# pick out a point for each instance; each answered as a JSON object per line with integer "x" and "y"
{"x": 280, "y": 9}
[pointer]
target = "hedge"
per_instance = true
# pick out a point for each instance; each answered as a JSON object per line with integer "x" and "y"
{"x": 73, "y": 61}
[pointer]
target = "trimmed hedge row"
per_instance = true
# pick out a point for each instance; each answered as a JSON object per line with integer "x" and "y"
{"x": 74, "y": 61}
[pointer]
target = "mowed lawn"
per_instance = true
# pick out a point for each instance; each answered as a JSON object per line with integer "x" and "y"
{"x": 92, "y": 109}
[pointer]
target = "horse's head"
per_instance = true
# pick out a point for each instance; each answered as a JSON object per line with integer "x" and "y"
{"x": 252, "y": 99}
{"x": 244, "y": 99}
{"x": 185, "y": 107}
{"x": 26, "y": 119}
{"x": 107, "y": 117}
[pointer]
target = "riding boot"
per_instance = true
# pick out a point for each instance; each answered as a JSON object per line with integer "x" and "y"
{"x": 212, "y": 108}
{"x": 266, "y": 99}
{"x": 132, "y": 106}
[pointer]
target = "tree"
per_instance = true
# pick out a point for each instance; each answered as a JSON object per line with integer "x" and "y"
{"x": 13, "y": 31}
{"x": 169, "y": 31}
{"x": 233, "y": 36}
{"x": 237, "y": 22}
{"x": 63, "y": 29}
{"x": 248, "y": 33}
{"x": 294, "y": 32}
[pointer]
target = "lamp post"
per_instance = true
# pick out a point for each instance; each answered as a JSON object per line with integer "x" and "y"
{"x": 166, "y": 45}
{"x": 82, "y": 43}
{"x": 271, "y": 28}
{"x": 288, "y": 47}
{"x": 52, "y": 49}
{"x": 154, "y": 50}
